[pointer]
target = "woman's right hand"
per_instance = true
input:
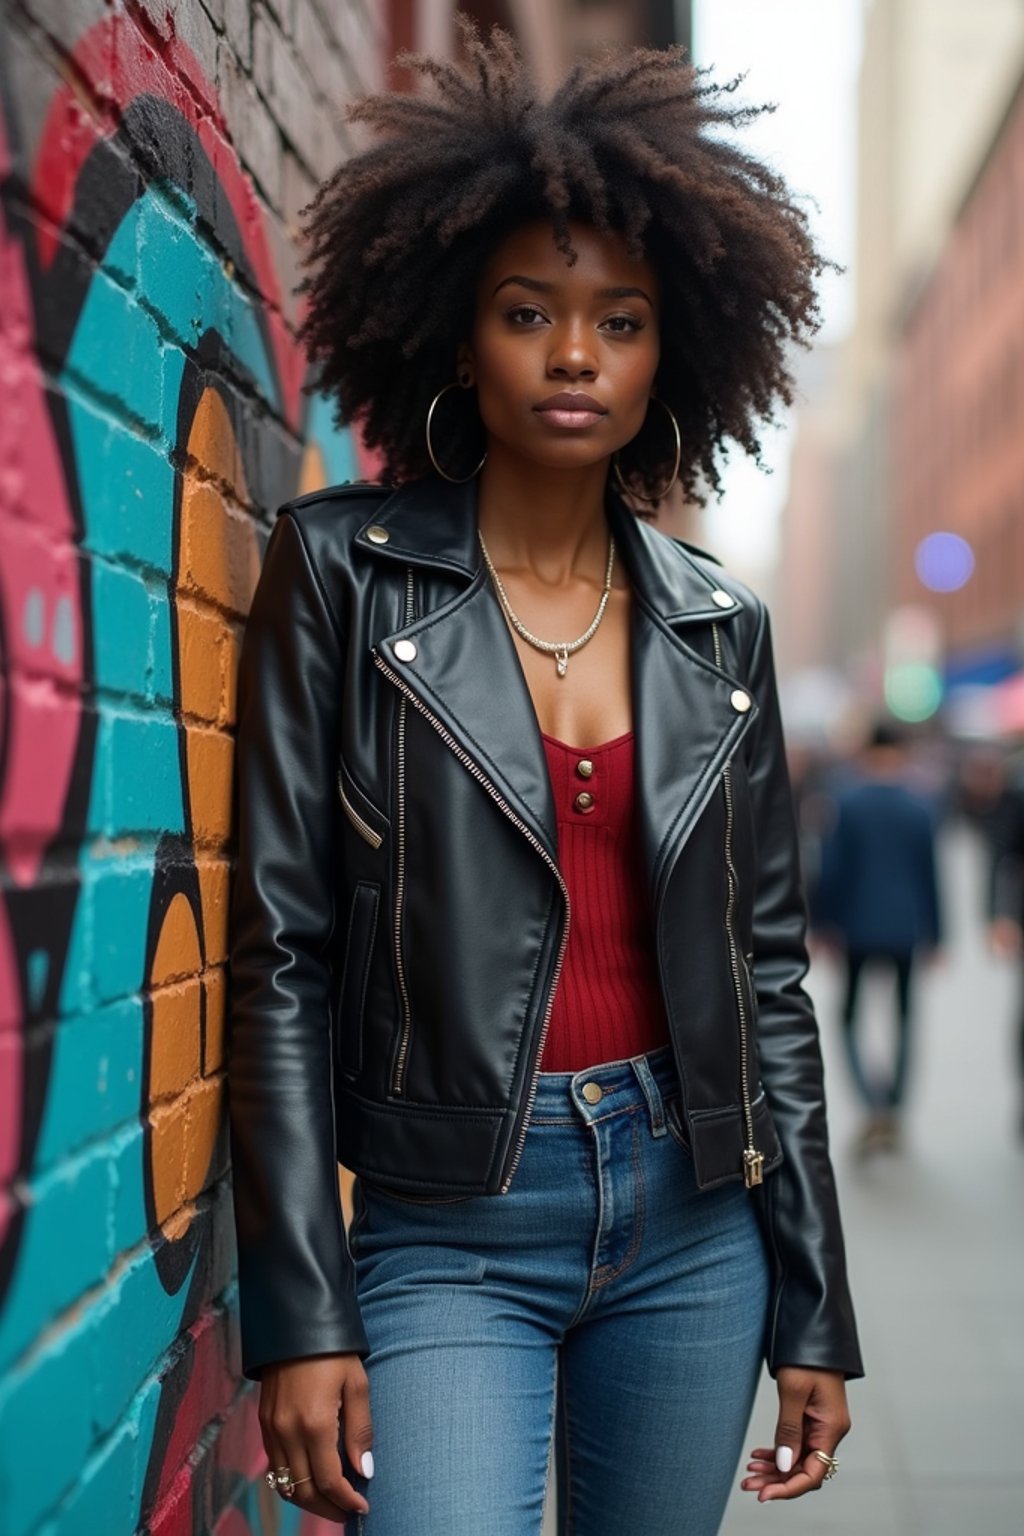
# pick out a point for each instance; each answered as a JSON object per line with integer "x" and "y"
{"x": 302, "y": 1403}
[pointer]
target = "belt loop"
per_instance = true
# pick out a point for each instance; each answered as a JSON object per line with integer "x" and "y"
{"x": 652, "y": 1093}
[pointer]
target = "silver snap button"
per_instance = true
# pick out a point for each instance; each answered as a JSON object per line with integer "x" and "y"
{"x": 592, "y": 1092}
{"x": 405, "y": 650}
{"x": 377, "y": 535}
{"x": 740, "y": 701}
{"x": 721, "y": 599}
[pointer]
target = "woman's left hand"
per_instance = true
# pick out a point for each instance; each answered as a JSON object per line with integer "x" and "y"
{"x": 813, "y": 1416}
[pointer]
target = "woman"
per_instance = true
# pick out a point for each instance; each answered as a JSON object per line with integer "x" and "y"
{"x": 517, "y": 932}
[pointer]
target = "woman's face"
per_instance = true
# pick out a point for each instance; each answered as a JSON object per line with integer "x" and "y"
{"x": 563, "y": 358}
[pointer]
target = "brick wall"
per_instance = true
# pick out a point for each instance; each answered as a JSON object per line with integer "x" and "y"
{"x": 153, "y": 157}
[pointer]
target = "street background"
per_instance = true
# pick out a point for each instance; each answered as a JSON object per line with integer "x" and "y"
{"x": 154, "y": 156}
{"x": 935, "y": 1239}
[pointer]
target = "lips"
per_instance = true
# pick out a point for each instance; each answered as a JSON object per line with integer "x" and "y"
{"x": 571, "y": 409}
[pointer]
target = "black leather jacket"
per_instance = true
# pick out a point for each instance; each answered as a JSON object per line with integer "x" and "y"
{"x": 398, "y": 918}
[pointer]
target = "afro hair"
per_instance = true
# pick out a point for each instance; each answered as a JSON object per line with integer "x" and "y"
{"x": 637, "y": 141}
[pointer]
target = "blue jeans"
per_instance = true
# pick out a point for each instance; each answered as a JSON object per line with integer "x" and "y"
{"x": 603, "y": 1300}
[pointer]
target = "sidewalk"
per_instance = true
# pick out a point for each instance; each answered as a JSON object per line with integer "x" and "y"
{"x": 936, "y": 1247}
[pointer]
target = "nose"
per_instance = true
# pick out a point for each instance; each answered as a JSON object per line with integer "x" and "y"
{"x": 571, "y": 355}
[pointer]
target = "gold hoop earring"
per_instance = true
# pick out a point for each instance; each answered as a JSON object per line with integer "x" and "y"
{"x": 675, "y": 468}
{"x": 455, "y": 479}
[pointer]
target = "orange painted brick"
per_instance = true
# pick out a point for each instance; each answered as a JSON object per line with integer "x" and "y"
{"x": 169, "y": 1141}
{"x": 214, "y": 879}
{"x": 202, "y": 633}
{"x": 214, "y": 983}
{"x": 177, "y": 954}
{"x": 205, "y": 1107}
{"x": 174, "y": 1038}
{"x": 210, "y": 757}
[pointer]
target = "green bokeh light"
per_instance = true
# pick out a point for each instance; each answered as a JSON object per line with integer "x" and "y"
{"x": 913, "y": 690}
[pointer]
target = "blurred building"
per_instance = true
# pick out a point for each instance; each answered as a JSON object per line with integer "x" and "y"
{"x": 958, "y": 415}
{"x": 551, "y": 32}
{"x": 935, "y": 79}
{"x": 804, "y": 633}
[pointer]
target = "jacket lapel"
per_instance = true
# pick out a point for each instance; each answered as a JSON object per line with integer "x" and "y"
{"x": 466, "y": 671}
{"x": 685, "y": 719}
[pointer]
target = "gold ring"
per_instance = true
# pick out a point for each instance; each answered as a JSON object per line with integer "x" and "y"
{"x": 830, "y": 1462}
{"x": 271, "y": 1476}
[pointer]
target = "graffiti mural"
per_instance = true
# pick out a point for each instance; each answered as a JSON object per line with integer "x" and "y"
{"x": 152, "y": 415}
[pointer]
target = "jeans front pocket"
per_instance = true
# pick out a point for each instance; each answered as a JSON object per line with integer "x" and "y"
{"x": 674, "y": 1120}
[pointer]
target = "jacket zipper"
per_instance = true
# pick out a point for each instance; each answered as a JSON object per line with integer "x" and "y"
{"x": 517, "y": 821}
{"x": 398, "y": 1072}
{"x": 362, "y": 827}
{"x": 753, "y": 1160}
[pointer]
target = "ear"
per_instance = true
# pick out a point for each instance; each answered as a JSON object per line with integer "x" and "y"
{"x": 465, "y": 369}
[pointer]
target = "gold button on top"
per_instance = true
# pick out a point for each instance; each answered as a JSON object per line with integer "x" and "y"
{"x": 376, "y": 534}
{"x": 740, "y": 701}
{"x": 592, "y": 1092}
{"x": 584, "y": 801}
{"x": 584, "y": 767}
{"x": 405, "y": 650}
{"x": 721, "y": 599}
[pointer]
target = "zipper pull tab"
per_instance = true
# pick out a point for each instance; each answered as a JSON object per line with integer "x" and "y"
{"x": 753, "y": 1167}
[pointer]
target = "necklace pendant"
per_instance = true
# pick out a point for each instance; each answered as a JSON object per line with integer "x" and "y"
{"x": 562, "y": 662}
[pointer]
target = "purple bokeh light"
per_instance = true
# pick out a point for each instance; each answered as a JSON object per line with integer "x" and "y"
{"x": 944, "y": 562}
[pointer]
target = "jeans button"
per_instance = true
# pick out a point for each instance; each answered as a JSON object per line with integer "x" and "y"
{"x": 592, "y": 1092}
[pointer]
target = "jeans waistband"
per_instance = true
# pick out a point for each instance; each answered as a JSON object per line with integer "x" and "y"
{"x": 650, "y": 1076}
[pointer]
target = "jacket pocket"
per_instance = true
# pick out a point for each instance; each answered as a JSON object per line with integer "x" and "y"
{"x": 362, "y": 815}
{"x": 348, "y": 1023}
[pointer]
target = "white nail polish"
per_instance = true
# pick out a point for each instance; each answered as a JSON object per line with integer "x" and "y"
{"x": 784, "y": 1458}
{"x": 366, "y": 1463}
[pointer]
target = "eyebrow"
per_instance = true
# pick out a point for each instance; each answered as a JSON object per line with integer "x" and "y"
{"x": 536, "y": 286}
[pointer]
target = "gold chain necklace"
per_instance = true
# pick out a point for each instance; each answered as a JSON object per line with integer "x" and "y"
{"x": 560, "y": 649}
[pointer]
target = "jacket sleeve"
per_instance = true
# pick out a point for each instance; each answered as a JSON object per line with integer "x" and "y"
{"x": 295, "y": 1275}
{"x": 811, "y": 1322}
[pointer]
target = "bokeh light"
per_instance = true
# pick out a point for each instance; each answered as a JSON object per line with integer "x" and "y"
{"x": 913, "y": 690}
{"x": 944, "y": 562}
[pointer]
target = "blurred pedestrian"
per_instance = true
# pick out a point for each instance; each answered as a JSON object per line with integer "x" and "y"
{"x": 878, "y": 902}
{"x": 1006, "y": 926}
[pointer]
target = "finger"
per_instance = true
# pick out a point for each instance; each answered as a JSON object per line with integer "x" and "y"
{"x": 764, "y": 1480}
{"x": 789, "y": 1427}
{"x": 322, "y": 1445}
{"x": 301, "y": 1447}
{"x": 305, "y": 1494}
{"x": 330, "y": 1478}
{"x": 272, "y": 1443}
{"x": 358, "y": 1437}
{"x": 794, "y": 1487}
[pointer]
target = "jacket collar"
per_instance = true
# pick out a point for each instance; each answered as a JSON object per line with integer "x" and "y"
{"x": 464, "y": 670}
{"x": 431, "y": 522}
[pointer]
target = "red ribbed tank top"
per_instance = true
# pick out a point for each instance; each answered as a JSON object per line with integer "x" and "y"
{"x": 607, "y": 1004}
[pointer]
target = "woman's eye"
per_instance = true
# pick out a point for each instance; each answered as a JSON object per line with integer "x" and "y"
{"x": 621, "y": 324}
{"x": 525, "y": 314}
